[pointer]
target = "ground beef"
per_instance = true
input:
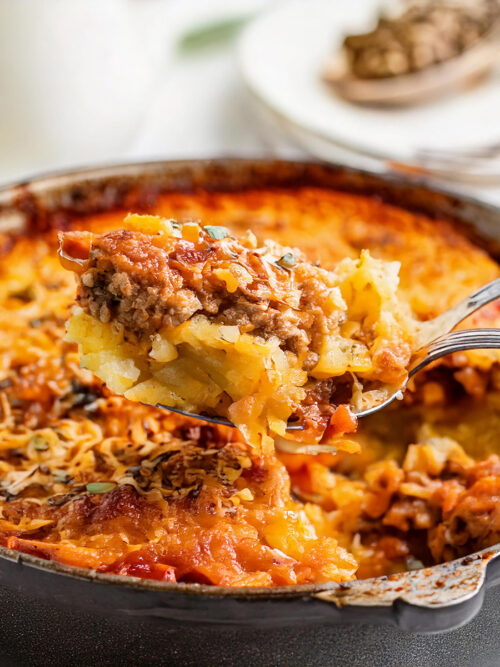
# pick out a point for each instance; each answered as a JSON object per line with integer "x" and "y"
{"x": 145, "y": 284}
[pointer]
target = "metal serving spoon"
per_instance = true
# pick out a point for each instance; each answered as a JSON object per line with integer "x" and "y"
{"x": 433, "y": 341}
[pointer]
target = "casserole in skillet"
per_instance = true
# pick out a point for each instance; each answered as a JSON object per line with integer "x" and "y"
{"x": 93, "y": 480}
{"x": 187, "y": 189}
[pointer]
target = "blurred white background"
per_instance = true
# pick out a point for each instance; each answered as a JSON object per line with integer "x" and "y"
{"x": 98, "y": 81}
{"x": 89, "y": 81}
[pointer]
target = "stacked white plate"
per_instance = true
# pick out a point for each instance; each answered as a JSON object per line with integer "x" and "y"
{"x": 282, "y": 54}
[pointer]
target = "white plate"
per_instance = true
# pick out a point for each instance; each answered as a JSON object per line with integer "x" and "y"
{"x": 282, "y": 54}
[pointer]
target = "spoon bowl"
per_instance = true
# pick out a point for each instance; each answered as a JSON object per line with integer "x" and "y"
{"x": 433, "y": 340}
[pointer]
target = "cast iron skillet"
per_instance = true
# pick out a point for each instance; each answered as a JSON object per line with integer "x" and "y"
{"x": 55, "y": 614}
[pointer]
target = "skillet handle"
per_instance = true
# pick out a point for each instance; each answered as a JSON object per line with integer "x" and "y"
{"x": 429, "y": 600}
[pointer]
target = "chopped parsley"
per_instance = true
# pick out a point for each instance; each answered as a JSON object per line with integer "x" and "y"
{"x": 288, "y": 261}
{"x": 39, "y": 443}
{"x": 215, "y": 232}
{"x": 100, "y": 487}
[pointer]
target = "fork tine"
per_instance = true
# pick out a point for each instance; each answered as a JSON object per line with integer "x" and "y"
{"x": 456, "y": 341}
{"x": 488, "y": 337}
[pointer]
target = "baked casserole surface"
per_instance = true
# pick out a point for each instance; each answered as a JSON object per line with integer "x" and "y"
{"x": 91, "y": 479}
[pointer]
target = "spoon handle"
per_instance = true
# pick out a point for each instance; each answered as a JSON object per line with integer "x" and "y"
{"x": 448, "y": 320}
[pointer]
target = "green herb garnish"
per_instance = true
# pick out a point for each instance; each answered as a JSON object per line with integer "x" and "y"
{"x": 100, "y": 487}
{"x": 288, "y": 261}
{"x": 215, "y": 232}
{"x": 211, "y": 34}
{"x": 39, "y": 443}
{"x": 61, "y": 476}
{"x": 176, "y": 228}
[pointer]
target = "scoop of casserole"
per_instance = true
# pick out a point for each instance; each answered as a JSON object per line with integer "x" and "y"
{"x": 191, "y": 317}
